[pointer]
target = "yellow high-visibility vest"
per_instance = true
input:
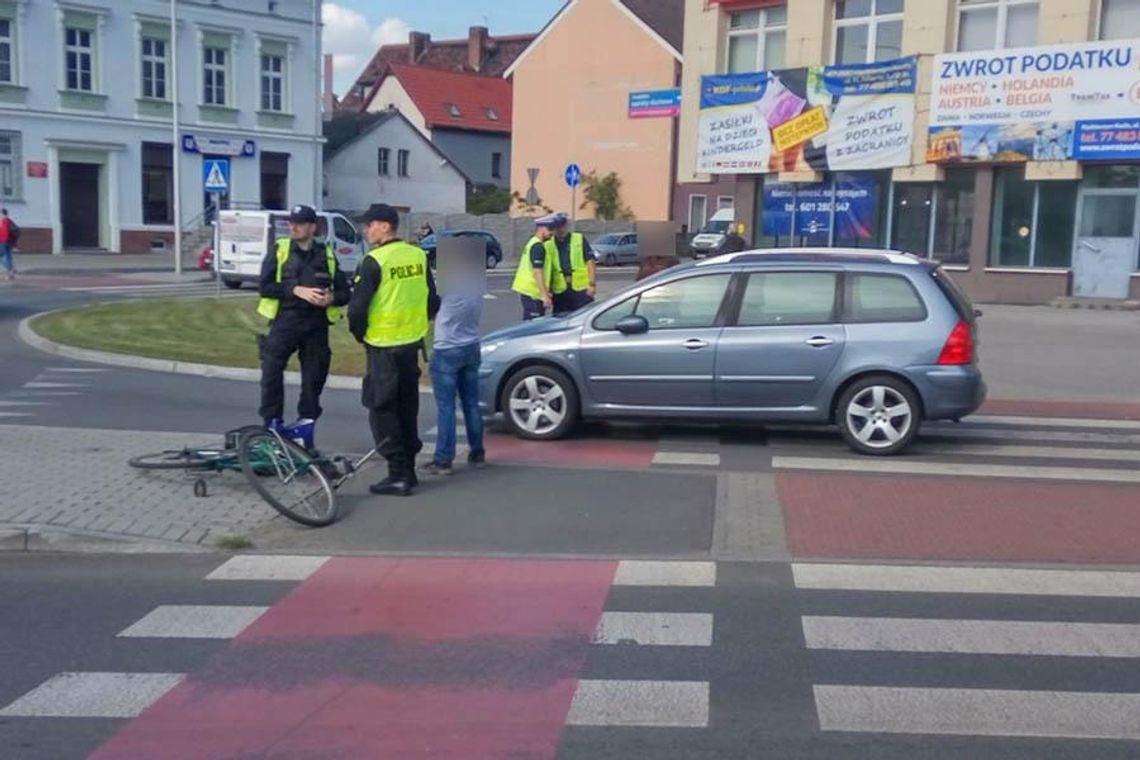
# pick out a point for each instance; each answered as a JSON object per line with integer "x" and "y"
{"x": 579, "y": 274}
{"x": 269, "y": 307}
{"x": 398, "y": 313}
{"x": 524, "y": 278}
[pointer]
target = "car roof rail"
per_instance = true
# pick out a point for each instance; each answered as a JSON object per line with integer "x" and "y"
{"x": 815, "y": 255}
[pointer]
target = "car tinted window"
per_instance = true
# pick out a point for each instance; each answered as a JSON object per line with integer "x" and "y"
{"x": 690, "y": 303}
{"x": 957, "y": 296}
{"x": 882, "y": 298}
{"x": 788, "y": 298}
{"x": 343, "y": 229}
{"x": 609, "y": 318}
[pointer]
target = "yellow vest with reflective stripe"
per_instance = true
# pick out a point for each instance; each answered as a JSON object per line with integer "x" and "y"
{"x": 524, "y": 278}
{"x": 268, "y": 307}
{"x": 579, "y": 274}
{"x": 398, "y": 314}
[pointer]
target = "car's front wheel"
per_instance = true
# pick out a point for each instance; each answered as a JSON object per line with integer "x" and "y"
{"x": 232, "y": 284}
{"x": 879, "y": 415}
{"x": 540, "y": 403}
{"x": 492, "y": 261}
{"x": 611, "y": 260}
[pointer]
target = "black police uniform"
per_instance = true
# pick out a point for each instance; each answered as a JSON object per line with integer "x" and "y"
{"x": 299, "y": 327}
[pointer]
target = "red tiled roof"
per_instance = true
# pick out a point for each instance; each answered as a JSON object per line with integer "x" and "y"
{"x": 474, "y": 96}
{"x": 444, "y": 55}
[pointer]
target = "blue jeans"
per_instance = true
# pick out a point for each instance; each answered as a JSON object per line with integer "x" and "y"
{"x": 6, "y": 257}
{"x": 456, "y": 370}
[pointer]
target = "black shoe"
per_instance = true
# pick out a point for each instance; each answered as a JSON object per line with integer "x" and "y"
{"x": 435, "y": 468}
{"x": 477, "y": 461}
{"x": 392, "y": 487}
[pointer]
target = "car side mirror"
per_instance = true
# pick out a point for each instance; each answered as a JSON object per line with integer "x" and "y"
{"x": 634, "y": 324}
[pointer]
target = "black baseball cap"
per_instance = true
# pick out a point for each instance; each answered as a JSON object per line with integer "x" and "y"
{"x": 381, "y": 212}
{"x": 302, "y": 215}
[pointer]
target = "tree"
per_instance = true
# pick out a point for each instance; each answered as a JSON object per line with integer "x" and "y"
{"x": 604, "y": 194}
{"x": 488, "y": 199}
{"x": 530, "y": 209}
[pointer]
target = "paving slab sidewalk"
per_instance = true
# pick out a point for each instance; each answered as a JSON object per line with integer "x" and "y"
{"x": 78, "y": 480}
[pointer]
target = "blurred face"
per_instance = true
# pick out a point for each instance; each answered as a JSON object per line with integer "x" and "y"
{"x": 378, "y": 232}
{"x": 562, "y": 232}
{"x": 543, "y": 233}
{"x": 302, "y": 231}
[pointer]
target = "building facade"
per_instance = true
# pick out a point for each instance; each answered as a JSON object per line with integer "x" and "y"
{"x": 1001, "y": 137}
{"x": 86, "y": 114}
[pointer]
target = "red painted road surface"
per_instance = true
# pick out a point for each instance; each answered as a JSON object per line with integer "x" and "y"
{"x": 399, "y": 658}
{"x": 1105, "y": 410}
{"x": 938, "y": 518}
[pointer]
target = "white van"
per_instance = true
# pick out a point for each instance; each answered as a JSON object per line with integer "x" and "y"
{"x": 710, "y": 239}
{"x": 247, "y": 237}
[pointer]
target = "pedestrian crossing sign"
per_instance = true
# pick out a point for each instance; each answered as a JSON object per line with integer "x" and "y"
{"x": 216, "y": 175}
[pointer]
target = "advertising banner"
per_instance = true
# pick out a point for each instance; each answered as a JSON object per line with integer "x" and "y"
{"x": 1049, "y": 103}
{"x": 857, "y": 116}
{"x": 809, "y": 209}
{"x": 653, "y": 104}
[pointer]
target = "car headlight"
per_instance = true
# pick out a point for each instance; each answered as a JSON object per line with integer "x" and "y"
{"x": 490, "y": 348}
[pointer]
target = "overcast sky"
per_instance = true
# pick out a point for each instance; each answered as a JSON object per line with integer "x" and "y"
{"x": 354, "y": 28}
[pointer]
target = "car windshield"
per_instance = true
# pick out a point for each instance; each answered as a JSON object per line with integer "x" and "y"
{"x": 715, "y": 227}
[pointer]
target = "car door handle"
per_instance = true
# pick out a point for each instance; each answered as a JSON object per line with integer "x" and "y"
{"x": 819, "y": 341}
{"x": 695, "y": 344}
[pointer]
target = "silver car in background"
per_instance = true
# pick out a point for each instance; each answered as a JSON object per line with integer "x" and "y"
{"x": 873, "y": 342}
{"x": 616, "y": 248}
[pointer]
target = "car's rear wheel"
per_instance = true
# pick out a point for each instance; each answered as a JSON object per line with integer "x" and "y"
{"x": 611, "y": 260}
{"x": 879, "y": 415}
{"x": 492, "y": 261}
{"x": 232, "y": 284}
{"x": 540, "y": 403}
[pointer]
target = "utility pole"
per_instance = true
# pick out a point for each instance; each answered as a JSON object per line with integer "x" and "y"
{"x": 176, "y": 140}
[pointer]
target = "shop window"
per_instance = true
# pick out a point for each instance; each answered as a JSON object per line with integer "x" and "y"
{"x": 868, "y": 30}
{"x": 934, "y": 220}
{"x": 1119, "y": 177}
{"x": 157, "y": 183}
{"x": 992, "y": 24}
{"x": 1032, "y": 221}
{"x": 757, "y": 39}
{"x": 1119, "y": 19}
{"x": 847, "y": 210}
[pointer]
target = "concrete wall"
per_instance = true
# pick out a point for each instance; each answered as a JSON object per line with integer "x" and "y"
{"x": 595, "y": 56}
{"x": 353, "y": 181}
{"x": 472, "y": 153}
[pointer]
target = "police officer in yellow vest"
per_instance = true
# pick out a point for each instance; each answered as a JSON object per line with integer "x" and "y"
{"x": 575, "y": 268}
{"x": 535, "y": 278}
{"x": 302, "y": 290}
{"x": 393, "y": 300}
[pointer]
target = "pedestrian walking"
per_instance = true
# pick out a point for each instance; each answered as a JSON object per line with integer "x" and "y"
{"x": 393, "y": 300}
{"x": 454, "y": 366}
{"x": 576, "y": 275}
{"x": 9, "y": 236}
{"x": 302, "y": 292}
{"x": 535, "y": 276}
{"x": 734, "y": 241}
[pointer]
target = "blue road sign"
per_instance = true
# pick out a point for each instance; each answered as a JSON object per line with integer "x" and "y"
{"x": 573, "y": 175}
{"x": 216, "y": 175}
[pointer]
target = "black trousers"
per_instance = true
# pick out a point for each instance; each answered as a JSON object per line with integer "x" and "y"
{"x": 532, "y": 308}
{"x": 392, "y": 396}
{"x": 290, "y": 334}
{"x": 571, "y": 300}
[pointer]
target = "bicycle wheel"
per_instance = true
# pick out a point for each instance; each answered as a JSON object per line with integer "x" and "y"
{"x": 184, "y": 459}
{"x": 287, "y": 477}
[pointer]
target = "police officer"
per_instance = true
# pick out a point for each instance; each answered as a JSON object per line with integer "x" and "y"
{"x": 534, "y": 280}
{"x": 576, "y": 277}
{"x": 302, "y": 290}
{"x": 392, "y": 302}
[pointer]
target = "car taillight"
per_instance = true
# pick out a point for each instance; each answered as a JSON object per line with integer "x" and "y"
{"x": 959, "y": 348}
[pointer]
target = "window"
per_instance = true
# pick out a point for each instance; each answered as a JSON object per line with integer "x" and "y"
{"x": 935, "y": 220}
{"x": 1119, "y": 19}
{"x": 10, "y": 162}
{"x": 881, "y": 298}
{"x": 1032, "y": 221}
{"x": 757, "y": 39}
{"x": 698, "y": 213}
{"x": 992, "y": 24}
{"x": 492, "y": 114}
{"x": 691, "y": 304}
{"x": 343, "y": 230}
{"x": 453, "y": 110}
{"x": 272, "y": 81}
{"x": 154, "y": 68}
{"x": 868, "y": 30}
{"x": 78, "y": 52}
{"x": 788, "y": 298}
{"x": 402, "y": 162}
{"x": 383, "y": 157}
{"x": 157, "y": 183}
{"x": 847, "y": 209}
{"x": 214, "y": 75}
{"x": 497, "y": 165}
{"x": 725, "y": 202}
{"x": 7, "y": 71}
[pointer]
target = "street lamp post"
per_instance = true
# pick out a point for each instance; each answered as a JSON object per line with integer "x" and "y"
{"x": 176, "y": 140}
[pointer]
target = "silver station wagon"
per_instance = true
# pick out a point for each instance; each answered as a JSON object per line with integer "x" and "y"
{"x": 871, "y": 341}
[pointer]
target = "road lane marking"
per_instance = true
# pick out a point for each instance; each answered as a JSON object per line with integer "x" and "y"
{"x": 664, "y": 704}
{"x": 676, "y": 629}
{"x": 24, "y": 403}
{"x": 1031, "y": 452}
{"x": 194, "y": 621}
{"x": 653, "y": 573}
{"x": 16, "y": 414}
{"x": 1014, "y": 637}
{"x": 267, "y": 568}
{"x": 966, "y": 580}
{"x": 690, "y": 458}
{"x": 93, "y": 695}
{"x": 977, "y": 712}
{"x": 1058, "y": 422}
{"x": 38, "y": 385}
{"x": 76, "y": 370}
{"x": 900, "y": 467}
